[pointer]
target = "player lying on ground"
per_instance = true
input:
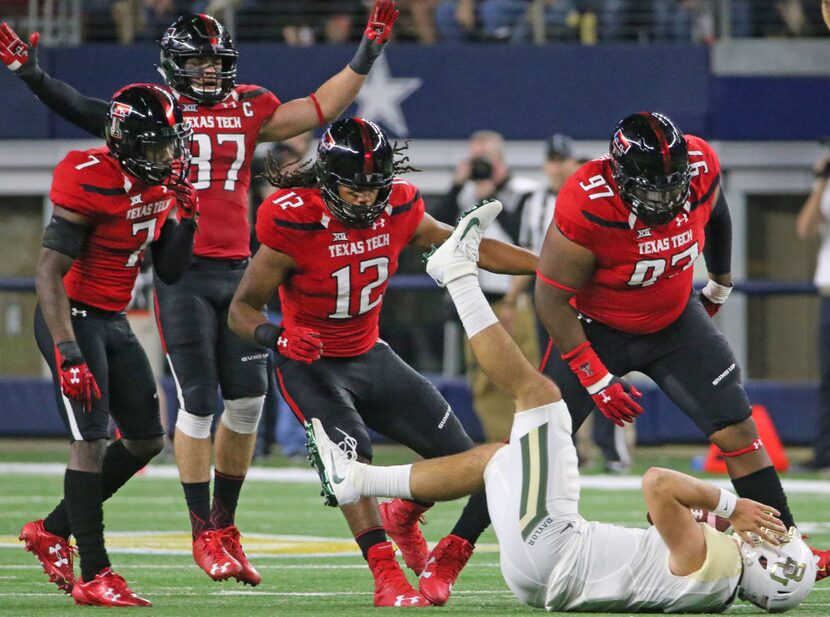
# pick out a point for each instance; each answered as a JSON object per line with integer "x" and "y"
{"x": 551, "y": 557}
{"x": 110, "y": 204}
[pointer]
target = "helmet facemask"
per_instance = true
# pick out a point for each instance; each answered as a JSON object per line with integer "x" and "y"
{"x": 215, "y": 85}
{"x": 350, "y": 214}
{"x": 777, "y": 578}
{"x": 655, "y": 203}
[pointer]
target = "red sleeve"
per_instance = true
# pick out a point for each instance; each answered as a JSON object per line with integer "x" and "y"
{"x": 261, "y": 101}
{"x": 705, "y": 168}
{"x": 406, "y": 199}
{"x": 568, "y": 214}
{"x": 267, "y": 230}
{"x": 71, "y": 187}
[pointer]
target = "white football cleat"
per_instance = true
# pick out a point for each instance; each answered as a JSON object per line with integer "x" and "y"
{"x": 335, "y": 464}
{"x": 458, "y": 255}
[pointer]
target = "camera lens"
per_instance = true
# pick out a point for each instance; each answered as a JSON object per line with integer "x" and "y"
{"x": 481, "y": 169}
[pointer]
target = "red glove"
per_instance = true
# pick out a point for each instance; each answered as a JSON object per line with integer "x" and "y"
{"x": 13, "y": 51}
{"x": 187, "y": 200}
{"x": 300, "y": 343}
{"x": 713, "y": 296}
{"x": 381, "y": 19}
{"x": 611, "y": 395}
{"x": 76, "y": 380}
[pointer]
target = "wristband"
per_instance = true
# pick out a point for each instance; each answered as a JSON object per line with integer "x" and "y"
{"x": 715, "y": 292}
{"x": 726, "y": 504}
{"x": 587, "y": 366}
{"x": 365, "y": 56}
{"x": 267, "y": 334}
{"x": 70, "y": 353}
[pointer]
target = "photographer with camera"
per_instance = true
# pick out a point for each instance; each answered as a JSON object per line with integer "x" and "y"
{"x": 812, "y": 221}
{"x": 481, "y": 175}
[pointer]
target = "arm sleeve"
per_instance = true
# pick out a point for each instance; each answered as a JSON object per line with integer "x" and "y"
{"x": 88, "y": 113}
{"x": 172, "y": 250}
{"x": 718, "y": 249}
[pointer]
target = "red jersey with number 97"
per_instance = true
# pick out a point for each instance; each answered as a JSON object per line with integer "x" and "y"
{"x": 342, "y": 273}
{"x": 643, "y": 274}
{"x": 126, "y": 215}
{"x": 224, "y": 139}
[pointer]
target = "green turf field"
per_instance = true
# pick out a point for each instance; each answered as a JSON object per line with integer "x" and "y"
{"x": 309, "y": 564}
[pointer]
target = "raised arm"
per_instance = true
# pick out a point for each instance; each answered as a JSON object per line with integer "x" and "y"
{"x": 809, "y": 217}
{"x": 670, "y": 495}
{"x": 263, "y": 276}
{"x": 333, "y": 97}
{"x": 88, "y": 113}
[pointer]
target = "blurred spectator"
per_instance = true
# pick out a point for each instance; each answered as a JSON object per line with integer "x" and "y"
{"x": 548, "y": 21}
{"x": 484, "y": 174}
{"x": 468, "y": 20}
{"x": 144, "y": 19}
{"x": 422, "y": 13}
{"x": 812, "y": 221}
{"x": 301, "y": 22}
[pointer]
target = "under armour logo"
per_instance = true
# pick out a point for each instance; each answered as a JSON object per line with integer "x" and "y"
{"x": 217, "y": 568}
{"x": 643, "y": 233}
{"x": 135, "y": 200}
{"x": 400, "y": 600}
{"x": 76, "y": 312}
{"x": 75, "y": 372}
{"x": 682, "y": 219}
{"x": 605, "y": 397}
{"x": 110, "y": 593}
{"x": 426, "y": 573}
{"x": 282, "y": 342}
{"x": 378, "y": 224}
{"x": 55, "y": 550}
{"x": 339, "y": 236}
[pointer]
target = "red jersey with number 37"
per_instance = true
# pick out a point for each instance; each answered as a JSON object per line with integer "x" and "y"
{"x": 126, "y": 215}
{"x": 342, "y": 273}
{"x": 643, "y": 274}
{"x": 224, "y": 139}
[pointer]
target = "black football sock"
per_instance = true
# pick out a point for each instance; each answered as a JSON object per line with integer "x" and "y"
{"x": 764, "y": 486}
{"x": 474, "y": 519}
{"x": 197, "y": 495}
{"x": 119, "y": 466}
{"x": 225, "y": 497}
{"x": 84, "y": 504}
{"x": 367, "y": 538}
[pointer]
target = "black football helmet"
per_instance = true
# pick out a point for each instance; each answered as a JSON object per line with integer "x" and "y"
{"x": 198, "y": 36}
{"x": 147, "y": 134}
{"x": 354, "y": 152}
{"x": 650, "y": 163}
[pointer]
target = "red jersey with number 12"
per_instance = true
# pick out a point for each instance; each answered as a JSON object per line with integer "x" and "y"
{"x": 643, "y": 274}
{"x": 224, "y": 139}
{"x": 342, "y": 273}
{"x": 126, "y": 215}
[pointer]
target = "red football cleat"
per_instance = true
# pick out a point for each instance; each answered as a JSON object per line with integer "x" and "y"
{"x": 210, "y": 555}
{"x": 445, "y": 563}
{"x": 230, "y": 540}
{"x": 400, "y": 520}
{"x": 823, "y": 563}
{"x": 106, "y": 589}
{"x": 53, "y": 552}
{"x": 391, "y": 586}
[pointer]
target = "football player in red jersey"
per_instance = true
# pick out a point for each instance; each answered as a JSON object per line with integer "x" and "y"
{"x": 198, "y": 63}
{"x": 110, "y": 204}
{"x": 331, "y": 238}
{"x": 614, "y": 290}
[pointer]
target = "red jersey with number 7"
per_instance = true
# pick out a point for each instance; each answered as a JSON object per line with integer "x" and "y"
{"x": 224, "y": 139}
{"x": 643, "y": 274}
{"x": 125, "y": 215}
{"x": 342, "y": 272}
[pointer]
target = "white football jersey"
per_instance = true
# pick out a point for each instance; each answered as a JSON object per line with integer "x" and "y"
{"x": 608, "y": 568}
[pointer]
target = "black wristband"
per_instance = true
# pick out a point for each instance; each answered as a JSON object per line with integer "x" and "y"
{"x": 267, "y": 334}
{"x": 70, "y": 353}
{"x": 367, "y": 52}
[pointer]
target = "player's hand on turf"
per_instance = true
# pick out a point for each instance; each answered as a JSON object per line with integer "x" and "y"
{"x": 14, "y": 52}
{"x": 616, "y": 401}
{"x": 76, "y": 380}
{"x": 713, "y": 296}
{"x": 187, "y": 200}
{"x": 752, "y": 520}
{"x": 300, "y": 343}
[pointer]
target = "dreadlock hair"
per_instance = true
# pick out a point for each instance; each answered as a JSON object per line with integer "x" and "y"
{"x": 305, "y": 175}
